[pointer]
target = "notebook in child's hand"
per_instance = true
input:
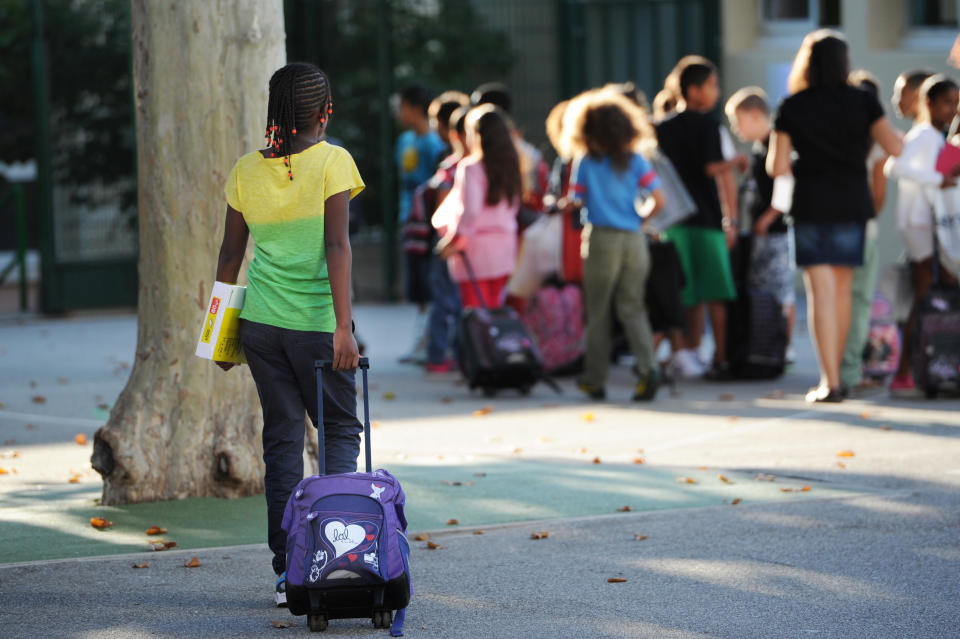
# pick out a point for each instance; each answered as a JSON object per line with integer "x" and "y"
{"x": 948, "y": 159}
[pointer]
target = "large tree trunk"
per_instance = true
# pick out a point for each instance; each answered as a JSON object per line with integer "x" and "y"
{"x": 182, "y": 427}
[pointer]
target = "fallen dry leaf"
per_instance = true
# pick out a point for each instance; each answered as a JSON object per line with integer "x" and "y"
{"x": 100, "y": 522}
{"x": 702, "y": 468}
{"x": 375, "y": 424}
{"x": 143, "y": 565}
{"x": 616, "y": 580}
{"x": 625, "y": 509}
{"x": 726, "y": 397}
{"x": 764, "y": 477}
{"x": 735, "y": 501}
{"x": 433, "y": 545}
{"x": 477, "y": 532}
{"x": 38, "y": 399}
{"x": 421, "y": 537}
{"x": 81, "y": 439}
{"x": 725, "y": 479}
{"x": 846, "y": 453}
{"x": 639, "y": 460}
{"x": 886, "y": 427}
{"x": 4, "y": 471}
{"x": 480, "y": 412}
{"x": 841, "y": 465}
{"x": 639, "y": 537}
{"x": 163, "y": 545}
{"x": 281, "y": 624}
{"x": 156, "y": 530}
{"x": 390, "y": 395}
{"x": 446, "y": 400}
{"x": 582, "y": 450}
{"x": 540, "y": 535}
{"x": 596, "y": 460}
{"x": 31, "y": 427}
{"x": 805, "y": 489}
{"x": 193, "y": 563}
{"x": 545, "y": 440}
{"x": 686, "y": 480}
{"x": 516, "y": 451}
{"x": 452, "y": 522}
{"x": 75, "y": 479}
{"x": 733, "y": 419}
{"x": 865, "y": 414}
{"x": 588, "y": 416}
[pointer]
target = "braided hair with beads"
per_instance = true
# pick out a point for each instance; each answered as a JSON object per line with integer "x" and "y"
{"x": 297, "y": 90}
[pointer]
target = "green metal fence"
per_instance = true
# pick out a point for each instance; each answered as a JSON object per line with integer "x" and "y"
{"x": 85, "y": 159}
{"x": 636, "y": 40}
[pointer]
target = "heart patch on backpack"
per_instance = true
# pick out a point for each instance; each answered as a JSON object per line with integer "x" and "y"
{"x": 344, "y": 538}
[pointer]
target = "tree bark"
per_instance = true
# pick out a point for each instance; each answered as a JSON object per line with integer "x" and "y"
{"x": 182, "y": 427}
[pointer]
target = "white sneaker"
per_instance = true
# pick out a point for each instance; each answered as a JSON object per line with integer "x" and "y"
{"x": 418, "y": 351}
{"x": 790, "y": 358}
{"x": 688, "y": 365}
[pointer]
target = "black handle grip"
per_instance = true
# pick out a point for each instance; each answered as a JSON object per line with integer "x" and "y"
{"x": 326, "y": 364}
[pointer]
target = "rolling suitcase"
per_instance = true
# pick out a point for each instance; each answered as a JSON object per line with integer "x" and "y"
{"x": 347, "y": 551}
{"x": 756, "y": 326}
{"x": 496, "y": 351}
{"x": 936, "y": 335}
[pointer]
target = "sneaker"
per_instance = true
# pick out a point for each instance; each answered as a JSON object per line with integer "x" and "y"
{"x": 647, "y": 387}
{"x": 719, "y": 372}
{"x": 593, "y": 392}
{"x": 790, "y": 357}
{"x": 281, "y": 593}
{"x": 444, "y": 367}
{"x": 903, "y": 387}
{"x": 687, "y": 364}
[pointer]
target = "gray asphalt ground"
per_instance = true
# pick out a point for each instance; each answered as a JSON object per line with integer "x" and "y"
{"x": 878, "y": 555}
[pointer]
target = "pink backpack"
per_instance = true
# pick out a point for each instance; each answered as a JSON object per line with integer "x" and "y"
{"x": 554, "y": 316}
{"x": 881, "y": 355}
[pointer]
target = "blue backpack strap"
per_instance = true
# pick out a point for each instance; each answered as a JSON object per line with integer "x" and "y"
{"x": 396, "y": 630}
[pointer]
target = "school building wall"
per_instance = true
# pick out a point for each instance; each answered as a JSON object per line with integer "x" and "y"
{"x": 881, "y": 40}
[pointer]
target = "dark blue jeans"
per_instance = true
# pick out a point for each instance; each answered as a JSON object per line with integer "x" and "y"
{"x": 281, "y": 361}
{"x": 444, "y": 311}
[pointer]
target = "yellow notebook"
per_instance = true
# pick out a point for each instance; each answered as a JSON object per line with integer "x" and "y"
{"x": 220, "y": 333}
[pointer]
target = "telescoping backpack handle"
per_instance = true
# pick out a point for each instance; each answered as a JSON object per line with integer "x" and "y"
{"x": 320, "y": 365}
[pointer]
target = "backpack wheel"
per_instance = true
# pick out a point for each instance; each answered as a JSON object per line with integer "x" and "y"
{"x": 382, "y": 619}
{"x": 317, "y": 623}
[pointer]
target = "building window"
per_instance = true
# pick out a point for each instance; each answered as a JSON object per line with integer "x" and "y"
{"x": 803, "y": 14}
{"x": 933, "y": 13}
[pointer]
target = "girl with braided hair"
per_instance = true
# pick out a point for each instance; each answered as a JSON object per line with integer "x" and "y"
{"x": 292, "y": 197}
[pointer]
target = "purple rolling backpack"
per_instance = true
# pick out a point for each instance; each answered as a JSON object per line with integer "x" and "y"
{"x": 347, "y": 549}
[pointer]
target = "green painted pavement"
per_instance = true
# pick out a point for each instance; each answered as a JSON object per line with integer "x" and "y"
{"x": 54, "y": 523}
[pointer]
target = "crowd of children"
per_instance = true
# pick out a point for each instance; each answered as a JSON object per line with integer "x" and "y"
{"x": 494, "y": 223}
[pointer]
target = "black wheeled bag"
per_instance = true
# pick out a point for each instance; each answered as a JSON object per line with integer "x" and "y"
{"x": 757, "y": 332}
{"x": 496, "y": 350}
{"x": 936, "y": 335}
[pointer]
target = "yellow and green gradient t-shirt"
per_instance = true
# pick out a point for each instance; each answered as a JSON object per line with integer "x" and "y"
{"x": 287, "y": 282}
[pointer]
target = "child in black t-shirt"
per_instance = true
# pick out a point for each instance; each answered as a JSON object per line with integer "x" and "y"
{"x": 772, "y": 266}
{"x": 691, "y": 140}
